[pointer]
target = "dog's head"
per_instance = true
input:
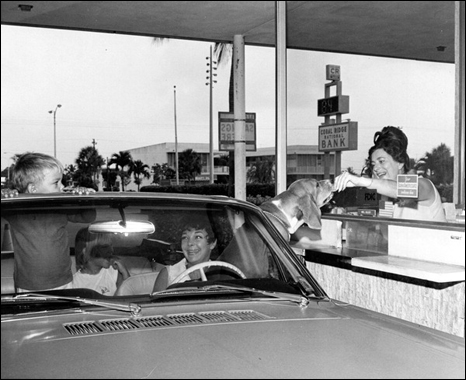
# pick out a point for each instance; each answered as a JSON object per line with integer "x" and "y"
{"x": 311, "y": 196}
{"x": 302, "y": 201}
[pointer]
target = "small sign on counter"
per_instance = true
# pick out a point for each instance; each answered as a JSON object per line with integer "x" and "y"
{"x": 386, "y": 209}
{"x": 367, "y": 212}
{"x": 407, "y": 186}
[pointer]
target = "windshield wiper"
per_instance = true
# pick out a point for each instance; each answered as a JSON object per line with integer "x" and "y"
{"x": 133, "y": 308}
{"x": 299, "y": 299}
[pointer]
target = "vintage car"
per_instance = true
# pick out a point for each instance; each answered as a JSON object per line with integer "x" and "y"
{"x": 256, "y": 313}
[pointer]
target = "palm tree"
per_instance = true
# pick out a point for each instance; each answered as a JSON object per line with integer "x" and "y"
{"x": 223, "y": 53}
{"x": 189, "y": 164}
{"x": 88, "y": 162}
{"x": 222, "y": 160}
{"x": 262, "y": 172}
{"x": 68, "y": 173}
{"x": 138, "y": 168}
{"x": 122, "y": 159}
{"x": 437, "y": 165}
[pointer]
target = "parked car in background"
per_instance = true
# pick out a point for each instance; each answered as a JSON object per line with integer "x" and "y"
{"x": 258, "y": 313}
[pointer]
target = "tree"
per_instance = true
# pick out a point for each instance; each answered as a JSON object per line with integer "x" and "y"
{"x": 437, "y": 165}
{"x": 189, "y": 164}
{"x": 88, "y": 162}
{"x": 138, "y": 168}
{"x": 162, "y": 172}
{"x": 157, "y": 173}
{"x": 110, "y": 177}
{"x": 7, "y": 173}
{"x": 68, "y": 174}
{"x": 122, "y": 159}
{"x": 168, "y": 172}
{"x": 222, "y": 160}
{"x": 262, "y": 172}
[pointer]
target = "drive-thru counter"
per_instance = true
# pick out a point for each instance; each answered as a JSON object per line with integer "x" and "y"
{"x": 408, "y": 269}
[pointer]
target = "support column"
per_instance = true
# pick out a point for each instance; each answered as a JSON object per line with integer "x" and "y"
{"x": 280, "y": 100}
{"x": 459, "y": 162}
{"x": 240, "y": 117}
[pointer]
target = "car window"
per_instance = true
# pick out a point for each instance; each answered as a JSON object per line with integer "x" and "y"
{"x": 243, "y": 239}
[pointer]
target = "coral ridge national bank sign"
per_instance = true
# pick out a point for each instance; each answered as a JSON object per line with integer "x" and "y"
{"x": 336, "y": 137}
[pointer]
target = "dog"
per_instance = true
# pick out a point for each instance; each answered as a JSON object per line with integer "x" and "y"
{"x": 298, "y": 205}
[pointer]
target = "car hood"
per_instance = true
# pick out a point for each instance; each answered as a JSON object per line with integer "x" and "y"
{"x": 267, "y": 339}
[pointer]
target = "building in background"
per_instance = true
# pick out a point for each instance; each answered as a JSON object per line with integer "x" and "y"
{"x": 303, "y": 161}
{"x": 166, "y": 152}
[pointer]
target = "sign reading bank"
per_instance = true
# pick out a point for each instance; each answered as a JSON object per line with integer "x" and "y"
{"x": 337, "y": 137}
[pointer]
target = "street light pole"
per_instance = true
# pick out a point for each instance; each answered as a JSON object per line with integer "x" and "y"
{"x": 55, "y": 130}
{"x": 176, "y": 143}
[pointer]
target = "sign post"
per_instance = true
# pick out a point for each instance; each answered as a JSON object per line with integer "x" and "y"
{"x": 335, "y": 136}
{"x": 226, "y": 131}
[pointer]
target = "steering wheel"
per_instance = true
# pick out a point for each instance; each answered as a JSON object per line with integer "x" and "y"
{"x": 201, "y": 267}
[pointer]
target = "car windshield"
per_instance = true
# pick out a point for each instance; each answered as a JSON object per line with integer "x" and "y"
{"x": 136, "y": 238}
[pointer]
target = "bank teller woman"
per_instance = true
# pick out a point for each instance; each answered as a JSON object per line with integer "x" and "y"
{"x": 388, "y": 157}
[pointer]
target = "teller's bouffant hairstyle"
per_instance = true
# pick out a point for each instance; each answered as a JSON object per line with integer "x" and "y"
{"x": 393, "y": 141}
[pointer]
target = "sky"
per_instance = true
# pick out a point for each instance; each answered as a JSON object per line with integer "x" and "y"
{"x": 118, "y": 91}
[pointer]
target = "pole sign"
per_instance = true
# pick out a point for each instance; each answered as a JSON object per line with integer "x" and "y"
{"x": 407, "y": 185}
{"x": 337, "y": 137}
{"x": 334, "y": 105}
{"x": 332, "y": 72}
{"x": 226, "y": 131}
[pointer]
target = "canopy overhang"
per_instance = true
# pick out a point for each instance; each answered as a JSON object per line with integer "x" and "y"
{"x": 415, "y": 30}
{"x": 421, "y": 30}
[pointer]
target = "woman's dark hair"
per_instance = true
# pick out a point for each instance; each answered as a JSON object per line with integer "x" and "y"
{"x": 393, "y": 141}
{"x": 201, "y": 225}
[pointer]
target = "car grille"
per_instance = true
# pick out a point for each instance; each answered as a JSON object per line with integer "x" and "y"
{"x": 170, "y": 320}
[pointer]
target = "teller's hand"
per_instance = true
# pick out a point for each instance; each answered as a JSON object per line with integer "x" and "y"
{"x": 345, "y": 180}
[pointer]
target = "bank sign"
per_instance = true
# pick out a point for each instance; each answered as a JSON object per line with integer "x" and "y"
{"x": 337, "y": 137}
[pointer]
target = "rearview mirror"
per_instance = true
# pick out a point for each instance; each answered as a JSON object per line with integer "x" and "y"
{"x": 122, "y": 227}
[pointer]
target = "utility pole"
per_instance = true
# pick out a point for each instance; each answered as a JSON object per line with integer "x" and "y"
{"x": 176, "y": 143}
{"x": 94, "y": 159}
{"x": 55, "y": 130}
{"x": 211, "y": 129}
